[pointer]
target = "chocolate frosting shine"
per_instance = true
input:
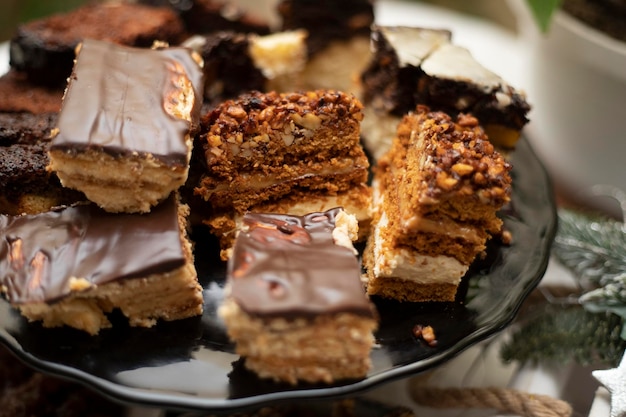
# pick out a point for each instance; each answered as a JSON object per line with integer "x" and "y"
{"x": 39, "y": 254}
{"x": 289, "y": 266}
{"x": 117, "y": 97}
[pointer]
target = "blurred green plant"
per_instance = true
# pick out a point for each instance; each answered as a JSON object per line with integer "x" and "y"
{"x": 542, "y": 11}
{"x": 13, "y": 12}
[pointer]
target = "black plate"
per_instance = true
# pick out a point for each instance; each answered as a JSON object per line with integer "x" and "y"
{"x": 189, "y": 364}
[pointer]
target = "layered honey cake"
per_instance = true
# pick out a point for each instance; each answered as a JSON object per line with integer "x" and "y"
{"x": 286, "y": 153}
{"x": 436, "y": 196}
{"x": 412, "y": 66}
{"x": 338, "y": 41}
{"x": 124, "y": 131}
{"x": 72, "y": 265}
{"x": 295, "y": 305}
{"x": 26, "y": 186}
{"x": 44, "y": 48}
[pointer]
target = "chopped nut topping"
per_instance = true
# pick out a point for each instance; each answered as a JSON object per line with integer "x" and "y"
{"x": 426, "y": 333}
{"x": 463, "y": 158}
{"x": 462, "y": 169}
{"x": 275, "y": 119}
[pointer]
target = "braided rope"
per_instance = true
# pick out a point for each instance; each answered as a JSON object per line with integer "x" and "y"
{"x": 501, "y": 399}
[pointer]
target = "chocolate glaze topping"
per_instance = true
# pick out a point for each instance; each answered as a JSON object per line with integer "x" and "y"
{"x": 289, "y": 266}
{"x": 39, "y": 254}
{"x": 117, "y": 98}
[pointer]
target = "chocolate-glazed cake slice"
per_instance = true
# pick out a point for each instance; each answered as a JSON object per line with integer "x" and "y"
{"x": 295, "y": 304}
{"x": 44, "y": 48}
{"x": 124, "y": 132}
{"x": 25, "y": 184}
{"x": 72, "y": 265}
{"x": 437, "y": 193}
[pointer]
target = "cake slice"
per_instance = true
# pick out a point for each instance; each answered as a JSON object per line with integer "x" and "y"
{"x": 412, "y": 66}
{"x": 124, "y": 131}
{"x": 237, "y": 63}
{"x": 295, "y": 305}
{"x": 26, "y": 186}
{"x": 71, "y": 265}
{"x": 436, "y": 197}
{"x": 469, "y": 87}
{"x": 282, "y": 153}
{"x": 44, "y": 48}
{"x": 207, "y": 16}
{"x": 338, "y": 40}
{"x": 18, "y": 94}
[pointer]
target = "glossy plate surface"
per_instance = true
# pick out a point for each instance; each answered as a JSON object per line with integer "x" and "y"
{"x": 190, "y": 364}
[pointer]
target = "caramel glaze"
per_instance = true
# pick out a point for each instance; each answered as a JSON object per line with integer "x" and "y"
{"x": 117, "y": 97}
{"x": 40, "y": 254}
{"x": 289, "y": 266}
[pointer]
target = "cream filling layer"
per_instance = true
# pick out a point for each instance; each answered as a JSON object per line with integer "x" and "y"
{"x": 411, "y": 266}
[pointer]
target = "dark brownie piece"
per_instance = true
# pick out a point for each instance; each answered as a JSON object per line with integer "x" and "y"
{"x": 455, "y": 82}
{"x": 206, "y": 16}
{"x": 327, "y": 20}
{"x": 412, "y": 66}
{"x": 209, "y": 16}
{"x": 25, "y": 184}
{"x": 228, "y": 67}
{"x": 44, "y": 48}
{"x": 390, "y": 81}
{"x": 18, "y": 94}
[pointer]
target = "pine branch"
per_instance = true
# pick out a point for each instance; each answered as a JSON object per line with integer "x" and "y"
{"x": 593, "y": 248}
{"x": 564, "y": 335}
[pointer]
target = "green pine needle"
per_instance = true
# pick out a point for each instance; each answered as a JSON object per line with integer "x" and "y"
{"x": 594, "y": 249}
{"x": 565, "y": 335}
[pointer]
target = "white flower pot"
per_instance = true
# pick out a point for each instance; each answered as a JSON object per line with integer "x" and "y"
{"x": 577, "y": 87}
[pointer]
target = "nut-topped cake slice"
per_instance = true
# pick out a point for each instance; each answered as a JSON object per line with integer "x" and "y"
{"x": 283, "y": 153}
{"x": 436, "y": 197}
{"x": 71, "y": 265}
{"x": 295, "y": 305}
{"x": 124, "y": 131}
